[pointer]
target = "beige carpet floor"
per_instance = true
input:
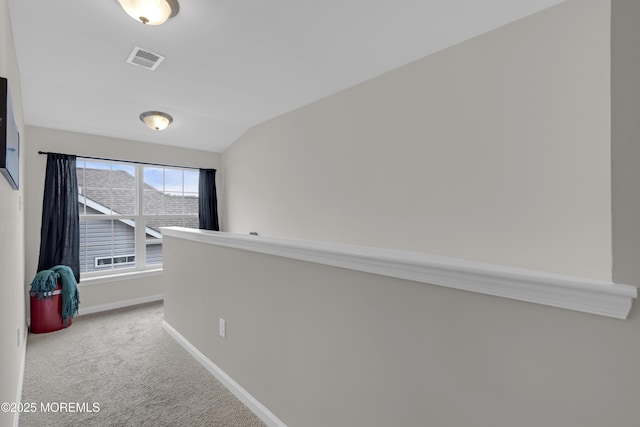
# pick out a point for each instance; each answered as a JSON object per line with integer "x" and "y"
{"x": 124, "y": 362}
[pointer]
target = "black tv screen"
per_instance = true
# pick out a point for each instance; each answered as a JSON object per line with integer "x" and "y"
{"x": 9, "y": 137}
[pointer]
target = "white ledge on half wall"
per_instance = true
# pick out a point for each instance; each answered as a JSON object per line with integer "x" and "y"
{"x": 573, "y": 293}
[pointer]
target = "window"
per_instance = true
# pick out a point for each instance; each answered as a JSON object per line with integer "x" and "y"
{"x": 106, "y": 261}
{"x": 122, "y": 207}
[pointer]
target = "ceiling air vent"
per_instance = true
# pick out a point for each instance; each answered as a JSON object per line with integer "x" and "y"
{"x": 144, "y": 58}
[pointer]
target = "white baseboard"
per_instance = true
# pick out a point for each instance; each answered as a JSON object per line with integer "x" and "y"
{"x": 251, "y": 402}
{"x": 23, "y": 352}
{"x": 120, "y": 304}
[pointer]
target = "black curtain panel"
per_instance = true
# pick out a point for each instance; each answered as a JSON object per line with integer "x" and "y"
{"x": 208, "y": 203}
{"x": 60, "y": 230}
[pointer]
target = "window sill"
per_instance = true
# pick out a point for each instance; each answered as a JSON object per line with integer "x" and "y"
{"x": 99, "y": 280}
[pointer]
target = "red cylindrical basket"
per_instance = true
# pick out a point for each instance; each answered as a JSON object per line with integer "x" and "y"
{"x": 46, "y": 313}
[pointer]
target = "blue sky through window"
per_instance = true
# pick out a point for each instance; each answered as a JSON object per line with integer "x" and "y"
{"x": 168, "y": 180}
{"x": 172, "y": 181}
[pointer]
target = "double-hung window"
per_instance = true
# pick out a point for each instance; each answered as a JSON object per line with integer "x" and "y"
{"x": 122, "y": 207}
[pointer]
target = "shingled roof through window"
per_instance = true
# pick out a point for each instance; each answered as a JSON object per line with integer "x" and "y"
{"x": 115, "y": 190}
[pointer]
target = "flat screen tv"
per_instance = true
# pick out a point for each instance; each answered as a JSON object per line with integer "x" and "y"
{"x": 9, "y": 137}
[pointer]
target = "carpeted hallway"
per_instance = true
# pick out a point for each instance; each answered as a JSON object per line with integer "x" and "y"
{"x": 124, "y": 362}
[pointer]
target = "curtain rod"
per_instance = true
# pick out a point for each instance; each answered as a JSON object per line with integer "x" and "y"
{"x": 125, "y": 161}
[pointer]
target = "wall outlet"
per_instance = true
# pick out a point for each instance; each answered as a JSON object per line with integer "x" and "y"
{"x": 223, "y": 328}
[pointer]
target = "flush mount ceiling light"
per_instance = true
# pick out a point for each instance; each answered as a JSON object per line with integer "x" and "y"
{"x": 156, "y": 120}
{"x": 152, "y": 12}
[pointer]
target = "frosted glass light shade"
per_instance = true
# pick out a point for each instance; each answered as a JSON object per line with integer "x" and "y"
{"x": 156, "y": 120}
{"x": 151, "y": 12}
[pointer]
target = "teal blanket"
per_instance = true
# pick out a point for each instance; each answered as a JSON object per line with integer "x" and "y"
{"x": 46, "y": 281}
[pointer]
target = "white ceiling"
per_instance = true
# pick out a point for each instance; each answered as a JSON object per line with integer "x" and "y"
{"x": 230, "y": 64}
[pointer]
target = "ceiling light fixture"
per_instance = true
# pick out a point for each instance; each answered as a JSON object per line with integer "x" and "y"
{"x": 156, "y": 120}
{"x": 152, "y": 12}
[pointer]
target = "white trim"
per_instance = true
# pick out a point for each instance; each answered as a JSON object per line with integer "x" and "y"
{"x": 108, "y": 278}
{"x": 139, "y": 236}
{"x": 120, "y": 304}
{"x": 23, "y": 351}
{"x": 569, "y": 292}
{"x": 268, "y": 417}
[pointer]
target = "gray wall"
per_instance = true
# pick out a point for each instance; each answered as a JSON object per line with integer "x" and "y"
{"x": 324, "y": 346}
{"x": 12, "y": 295}
{"x": 497, "y": 150}
{"x": 625, "y": 142}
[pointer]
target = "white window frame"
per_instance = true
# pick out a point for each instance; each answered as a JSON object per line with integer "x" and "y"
{"x": 138, "y": 219}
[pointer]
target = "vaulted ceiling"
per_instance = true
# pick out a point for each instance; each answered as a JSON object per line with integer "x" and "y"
{"x": 230, "y": 64}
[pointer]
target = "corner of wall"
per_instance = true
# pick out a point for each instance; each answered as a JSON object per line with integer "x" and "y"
{"x": 625, "y": 134}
